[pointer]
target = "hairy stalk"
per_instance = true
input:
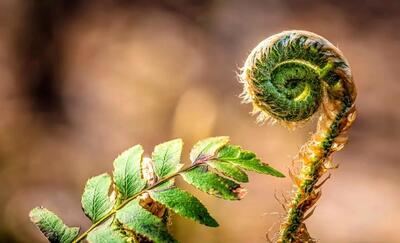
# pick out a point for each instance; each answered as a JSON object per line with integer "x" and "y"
{"x": 287, "y": 78}
{"x": 125, "y": 202}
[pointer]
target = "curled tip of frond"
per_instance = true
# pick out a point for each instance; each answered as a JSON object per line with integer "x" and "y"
{"x": 289, "y": 78}
{"x": 307, "y": 66}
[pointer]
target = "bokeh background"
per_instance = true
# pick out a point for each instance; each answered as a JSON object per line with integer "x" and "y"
{"x": 81, "y": 81}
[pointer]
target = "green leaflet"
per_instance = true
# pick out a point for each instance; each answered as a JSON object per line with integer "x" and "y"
{"x": 52, "y": 226}
{"x": 141, "y": 221}
{"x": 229, "y": 170}
{"x": 95, "y": 200}
{"x": 166, "y": 158}
{"x": 245, "y": 159}
{"x": 127, "y": 172}
{"x": 105, "y": 233}
{"x": 184, "y": 204}
{"x": 213, "y": 184}
{"x": 207, "y": 148}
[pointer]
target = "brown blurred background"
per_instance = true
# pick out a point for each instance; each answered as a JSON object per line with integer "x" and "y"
{"x": 81, "y": 81}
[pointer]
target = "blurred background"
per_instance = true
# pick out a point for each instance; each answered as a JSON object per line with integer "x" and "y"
{"x": 81, "y": 81}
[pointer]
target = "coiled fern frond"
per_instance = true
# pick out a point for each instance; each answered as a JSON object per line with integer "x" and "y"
{"x": 289, "y": 77}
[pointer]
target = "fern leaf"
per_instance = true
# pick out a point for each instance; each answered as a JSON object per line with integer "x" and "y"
{"x": 206, "y": 148}
{"x": 184, "y": 204}
{"x": 127, "y": 172}
{"x": 52, "y": 226}
{"x": 166, "y": 158}
{"x": 146, "y": 192}
{"x": 229, "y": 170}
{"x": 246, "y": 160}
{"x": 213, "y": 184}
{"x": 106, "y": 233}
{"x": 95, "y": 200}
{"x": 134, "y": 217}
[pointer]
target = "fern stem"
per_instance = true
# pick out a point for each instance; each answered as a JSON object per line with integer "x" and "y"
{"x": 287, "y": 78}
{"x": 114, "y": 210}
{"x": 307, "y": 192}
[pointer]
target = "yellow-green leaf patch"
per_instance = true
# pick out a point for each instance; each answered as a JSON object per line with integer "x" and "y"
{"x": 52, "y": 226}
{"x": 246, "y": 160}
{"x": 207, "y": 148}
{"x": 127, "y": 172}
{"x": 184, "y": 204}
{"x": 213, "y": 184}
{"x": 106, "y": 233}
{"x": 95, "y": 200}
{"x": 134, "y": 217}
{"x": 229, "y": 170}
{"x": 167, "y": 157}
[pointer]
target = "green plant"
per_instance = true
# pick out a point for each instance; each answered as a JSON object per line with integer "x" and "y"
{"x": 287, "y": 78}
{"x": 144, "y": 193}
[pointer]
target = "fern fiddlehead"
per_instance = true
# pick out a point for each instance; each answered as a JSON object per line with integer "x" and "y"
{"x": 287, "y": 78}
